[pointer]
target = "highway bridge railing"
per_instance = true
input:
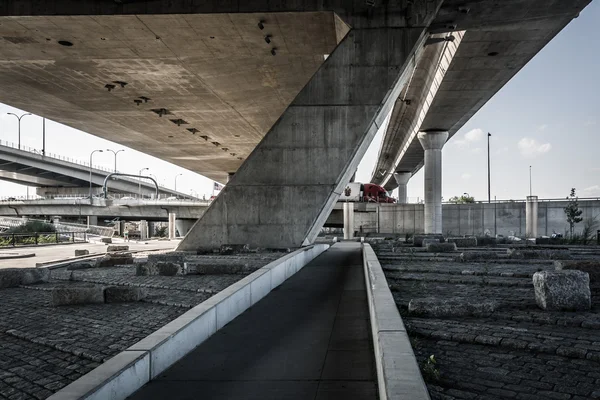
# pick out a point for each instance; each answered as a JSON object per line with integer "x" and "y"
{"x": 41, "y": 238}
{"x": 60, "y": 227}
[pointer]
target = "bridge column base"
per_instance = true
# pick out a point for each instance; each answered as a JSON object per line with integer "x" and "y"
{"x": 285, "y": 190}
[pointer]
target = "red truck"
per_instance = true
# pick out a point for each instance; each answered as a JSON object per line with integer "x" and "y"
{"x": 365, "y": 192}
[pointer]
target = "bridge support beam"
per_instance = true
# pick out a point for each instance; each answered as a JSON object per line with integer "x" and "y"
{"x": 402, "y": 179}
{"x": 432, "y": 142}
{"x": 283, "y": 193}
{"x": 348, "y": 220}
{"x": 172, "y": 218}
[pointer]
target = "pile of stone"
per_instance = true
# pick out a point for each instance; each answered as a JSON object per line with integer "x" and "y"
{"x": 420, "y": 240}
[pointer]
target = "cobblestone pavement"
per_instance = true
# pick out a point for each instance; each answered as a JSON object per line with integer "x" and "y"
{"x": 44, "y": 348}
{"x": 517, "y": 351}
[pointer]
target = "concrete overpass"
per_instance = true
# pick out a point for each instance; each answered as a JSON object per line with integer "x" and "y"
{"x": 286, "y": 95}
{"x": 55, "y": 175}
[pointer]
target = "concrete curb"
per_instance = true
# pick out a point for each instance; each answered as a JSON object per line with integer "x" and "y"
{"x": 16, "y": 256}
{"x": 398, "y": 373}
{"x": 129, "y": 370}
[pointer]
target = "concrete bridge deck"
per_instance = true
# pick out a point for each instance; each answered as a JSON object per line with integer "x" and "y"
{"x": 310, "y": 339}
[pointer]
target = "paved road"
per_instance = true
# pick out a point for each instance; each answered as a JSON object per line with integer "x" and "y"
{"x": 55, "y": 252}
{"x": 308, "y": 339}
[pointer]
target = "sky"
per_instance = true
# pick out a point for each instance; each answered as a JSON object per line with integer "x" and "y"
{"x": 546, "y": 117}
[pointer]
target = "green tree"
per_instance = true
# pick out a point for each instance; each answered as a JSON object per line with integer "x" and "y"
{"x": 572, "y": 211}
{"x": 464, "y": 199}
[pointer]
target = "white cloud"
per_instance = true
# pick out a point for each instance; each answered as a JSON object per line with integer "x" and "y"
{"x": 474, "y": 135}
{"x": 466, "y": 176}
{"x": 531, "y": 148}
{"x": 592, "y": 191}
{"x": 542, "y": 127}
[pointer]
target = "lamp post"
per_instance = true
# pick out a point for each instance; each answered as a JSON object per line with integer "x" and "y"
{"x": 140, "y": 186}
{"x": 115, "y": 153}
{"x": 91, "y": 154}
{"x": 489, "y": 190}
{"x": 19, "y": 118}
{"x": 176, "y": 176}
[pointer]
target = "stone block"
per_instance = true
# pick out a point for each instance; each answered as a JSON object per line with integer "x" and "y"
{"x": 123, "y": 294}
{"x": 163, "y": 268}
{"x": 429, "y": 241}
{"x": 451, "y": 307}
{"x": 441, "y": 247}
{"x": 590, "y": 266}
{"x": 82, "y": 252}
{"x": 106, "y": 240}
{"x": 234, "y": 248}
{"x": 486, "y": 241}
{"x": 31, "y": 276}
{"x": 10, "y": 277}
{"x": 81, "y": 265}
{"x": 477, "y": 256}
{"x": 114, "y": 248}
{"x": 543, "y": 254}
{"x": 13, "y": 277}
{"x": 217, "y": 268}
{"x": 418, "y": 239}
{"x": 463, "y": 241}
{"x": 112, "y": 259}
{"x": 71, "y": 295}
{"x": 562, "y": 290}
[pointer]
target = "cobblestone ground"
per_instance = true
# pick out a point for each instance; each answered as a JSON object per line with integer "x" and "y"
{"x": 516, "y": 352}
{"x": 44, "y": 348}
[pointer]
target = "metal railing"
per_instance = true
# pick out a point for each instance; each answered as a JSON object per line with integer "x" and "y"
{"x": 61, "y": 227}
{"x": 37, "y": 238}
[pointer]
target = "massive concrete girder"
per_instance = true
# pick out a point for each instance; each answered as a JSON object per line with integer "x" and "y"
{"x": 499, "y": 40}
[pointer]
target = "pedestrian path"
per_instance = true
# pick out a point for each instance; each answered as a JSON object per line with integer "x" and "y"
{"x": 309, "y": 339}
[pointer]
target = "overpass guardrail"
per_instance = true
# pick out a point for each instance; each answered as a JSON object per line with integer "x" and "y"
{"x": 40, "y": 238}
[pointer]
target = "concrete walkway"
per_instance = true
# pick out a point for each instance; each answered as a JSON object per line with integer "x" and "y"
{"x": 308, "y": 339}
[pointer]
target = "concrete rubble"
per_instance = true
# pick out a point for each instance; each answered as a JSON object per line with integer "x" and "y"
{"x": 13, "y": 277}
{"x": 567, "y": 290}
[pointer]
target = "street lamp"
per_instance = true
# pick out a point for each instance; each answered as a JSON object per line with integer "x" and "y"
{"x": 176, "y": 176}
{"x": 91, "y": 154}
{"x": 489, "y": 176}
{"x": 19, "y": 118}
{"x": 115, "y": 153}
{"x": 140, "y": 187}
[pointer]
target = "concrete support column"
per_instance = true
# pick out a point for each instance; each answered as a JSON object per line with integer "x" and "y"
{"x": 531, "y": 216}
{"x": 143, "y": 230}
{"x": 432, "y": 143}
{"x": 184, "y": 225}
{"x": 402, "y": 179}
{"x": 172, "y": 226}
{"x": 286, "y": 188}
{"x": 92, "y": 220}
{"x": 348, "y": 220}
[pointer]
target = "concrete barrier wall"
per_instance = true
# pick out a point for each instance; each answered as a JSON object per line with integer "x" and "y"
{"x": 125, "y": 373}
{"x": 474, "y": 219}
{"x": 398, "y": 373}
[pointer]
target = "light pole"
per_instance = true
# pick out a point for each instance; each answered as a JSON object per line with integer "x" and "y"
{"x": 19, "y": 118}
{"x": 115, "y": 153}
{"x": 176, "y": 176}
{"x": 140, "y": 187}
{"x": 489, "y": 187}
{"x": 91, "y": 154}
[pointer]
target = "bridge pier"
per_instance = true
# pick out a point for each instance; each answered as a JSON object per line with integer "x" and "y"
{"x": 531, "y": 216}
{"x": 432, "y": 142}
{"x": 402, "y": 179}
{"x": 285, "y": 190}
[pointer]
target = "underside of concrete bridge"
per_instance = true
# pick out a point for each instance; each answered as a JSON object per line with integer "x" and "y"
{"x": 286, "y": 95}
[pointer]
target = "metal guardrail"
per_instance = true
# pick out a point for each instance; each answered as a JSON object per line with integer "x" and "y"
{"x": 37, "y": 238}
{"x": 61, "y": 227}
